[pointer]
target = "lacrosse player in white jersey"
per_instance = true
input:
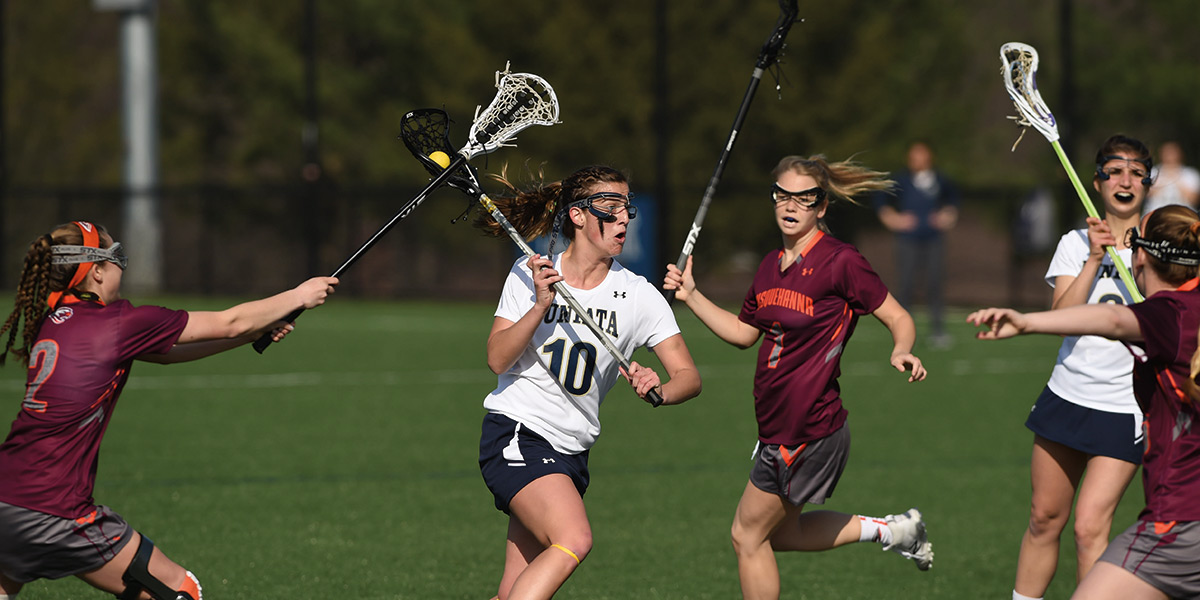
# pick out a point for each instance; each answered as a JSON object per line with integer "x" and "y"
{"x": 554, "y": 372}
{"x": 1086, "y": 419}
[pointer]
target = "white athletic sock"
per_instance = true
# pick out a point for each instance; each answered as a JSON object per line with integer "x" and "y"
{"x": 1016, "y": 596}
{"x": 874, "y": 530}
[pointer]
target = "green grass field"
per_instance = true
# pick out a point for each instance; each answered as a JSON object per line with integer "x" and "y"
{"x": 342, "y": 464}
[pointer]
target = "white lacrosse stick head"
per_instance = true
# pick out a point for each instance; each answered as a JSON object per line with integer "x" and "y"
{"x": 522, "y": 100}
{"x": 1019, "y": 68}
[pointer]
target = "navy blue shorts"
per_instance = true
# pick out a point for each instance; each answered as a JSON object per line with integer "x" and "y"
{"x": 511, "y": 456}
{"x": 1093, "y": 432}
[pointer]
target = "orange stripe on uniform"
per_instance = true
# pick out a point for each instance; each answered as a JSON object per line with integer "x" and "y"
{"x": 845, "y": 310}
{"x": 789, "y": 457}
{"x": 1183, "y": 397}
{"x": 1161, "y": 528}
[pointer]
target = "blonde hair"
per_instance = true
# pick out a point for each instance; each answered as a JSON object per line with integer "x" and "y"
{"x": 845, "y": 179}
{"x": 38, "y": 279}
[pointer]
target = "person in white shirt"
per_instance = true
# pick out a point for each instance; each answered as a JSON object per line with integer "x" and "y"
{"x": 543, "y": 416}
{"x": 1086, "y": 419}
{"x": 1174, "y": 182}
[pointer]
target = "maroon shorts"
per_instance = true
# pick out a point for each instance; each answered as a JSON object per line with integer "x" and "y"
{"x": 36, "y": 545}
{"x": 1165, "y": 555}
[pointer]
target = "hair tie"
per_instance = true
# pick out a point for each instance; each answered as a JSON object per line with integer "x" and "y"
{"x": 1195, "y": 228}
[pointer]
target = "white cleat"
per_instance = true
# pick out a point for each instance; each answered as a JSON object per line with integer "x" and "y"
{"x": 909, "y": 538}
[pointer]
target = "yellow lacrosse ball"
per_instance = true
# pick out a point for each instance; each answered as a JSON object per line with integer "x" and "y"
{"x": 441, "y": 158}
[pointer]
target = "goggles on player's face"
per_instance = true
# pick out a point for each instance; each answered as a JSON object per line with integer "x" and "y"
{"x": 69, "y": 255}
{"x": 1136, "y": 171}
{"x": 1162, "y": 249}
{"x": 607, "y": 205}
{"x": 805, "y": 198}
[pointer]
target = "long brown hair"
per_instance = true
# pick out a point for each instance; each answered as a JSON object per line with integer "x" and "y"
{"x": 39, "y": 277}
{"x": 542, "y": 208}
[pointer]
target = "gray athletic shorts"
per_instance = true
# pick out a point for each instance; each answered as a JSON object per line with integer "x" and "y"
{"x": 804, "y": 474}
{"x": 1165, "y": 555}
{"x": 35, "y": 545}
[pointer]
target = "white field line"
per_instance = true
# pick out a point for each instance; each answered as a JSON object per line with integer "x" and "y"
{"x": 481, "y": 376}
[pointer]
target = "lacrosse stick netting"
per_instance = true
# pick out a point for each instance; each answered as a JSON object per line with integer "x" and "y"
{"x": 522, "y": 100}
{"x": 1019, "y": 64}
{"x": 426, "y": 131}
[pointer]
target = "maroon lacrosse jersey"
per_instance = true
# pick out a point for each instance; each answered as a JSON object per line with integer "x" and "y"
{"x": 806, "y": 313}
{"x": 77, "y": 369}
{"x": 1169, "y": 322}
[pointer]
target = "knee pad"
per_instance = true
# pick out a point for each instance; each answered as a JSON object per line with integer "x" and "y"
{"x": 137, "y": 577}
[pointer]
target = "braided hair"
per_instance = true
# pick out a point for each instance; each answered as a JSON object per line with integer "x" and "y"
{"x": 39, "y": 277}
{"x": 544, "y": 207}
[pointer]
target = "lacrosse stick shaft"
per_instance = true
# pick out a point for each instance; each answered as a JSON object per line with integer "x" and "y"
{"x": 768, "y": 55}
{"x": 560, "y": 289}
{"x": 264, "y": 341}
{"x": 1122, "y": 270}
{"x": 698, "y": 221}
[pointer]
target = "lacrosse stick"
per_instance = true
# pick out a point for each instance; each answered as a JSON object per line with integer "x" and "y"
{"x": 766, "y": 58}
{"x": 522, "y": 100}
{"x": 1019, "y": 68}
{"x": 427, "y": 132}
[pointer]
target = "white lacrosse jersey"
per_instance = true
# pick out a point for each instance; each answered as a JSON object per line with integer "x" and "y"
{"x": 1093, "y": 371}
{"x": 556, "y": 386}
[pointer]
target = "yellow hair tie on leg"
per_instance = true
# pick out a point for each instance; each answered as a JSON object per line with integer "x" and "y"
{"x": 569, "y": 553}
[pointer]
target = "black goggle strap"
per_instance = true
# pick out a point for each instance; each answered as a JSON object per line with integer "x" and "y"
{"x": 1164, "y": 251}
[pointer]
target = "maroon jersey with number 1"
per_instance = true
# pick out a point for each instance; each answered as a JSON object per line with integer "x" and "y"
{"x": 77, "y": 369}
{"x": 807, "y": 313}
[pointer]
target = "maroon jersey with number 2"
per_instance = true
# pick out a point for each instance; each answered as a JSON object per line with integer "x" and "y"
{"x": 806, "y": 313}
{"x": 77, "y": 369}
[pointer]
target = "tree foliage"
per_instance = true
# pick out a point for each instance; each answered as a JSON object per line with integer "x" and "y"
{"x": 859, "y": 78}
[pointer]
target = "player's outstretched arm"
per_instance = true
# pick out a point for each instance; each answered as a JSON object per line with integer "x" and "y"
{"x": 208, "y": 333}
{"x": 1112, "y": 321}
{"x": 904, "y": 335}
{"x": 254, "y": 317}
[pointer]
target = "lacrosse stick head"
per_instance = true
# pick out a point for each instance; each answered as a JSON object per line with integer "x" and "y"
{"x": 522, "y": 100}
{"x": 426, "y": 131}
{"x": 775, "y": 43}
{"x": 1019, "y": 64}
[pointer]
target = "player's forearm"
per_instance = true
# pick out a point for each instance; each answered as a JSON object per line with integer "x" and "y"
{"x": 723, "y": 323}
{"x": 683, "y": 386}
{"x": 197, "y": 350}
{"x": 1112, "y": 321}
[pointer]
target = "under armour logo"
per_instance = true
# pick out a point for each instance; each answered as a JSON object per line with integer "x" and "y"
{"x": 806, "y": 271}
{"x": 618, "y": 294}
{"x": 546, "y": 461}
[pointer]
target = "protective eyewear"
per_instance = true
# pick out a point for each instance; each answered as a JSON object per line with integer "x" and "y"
{"x": 805, "y": 198}
{"x": 607, "y": 205}
{"x": 1163, "y": 250}
{"x": 70, "y": 255}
